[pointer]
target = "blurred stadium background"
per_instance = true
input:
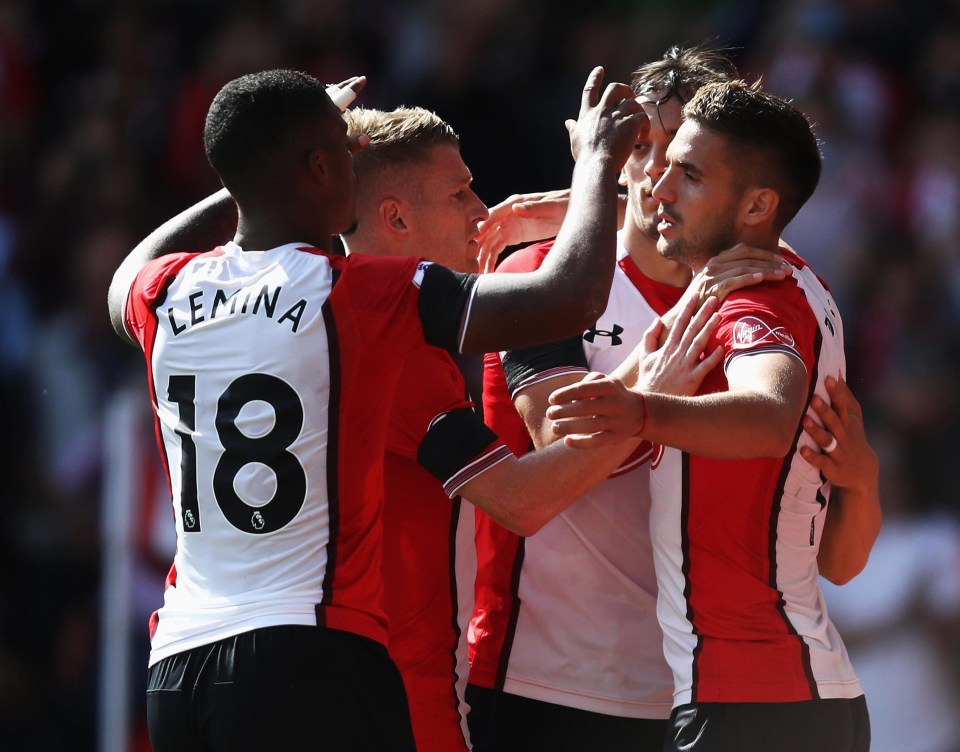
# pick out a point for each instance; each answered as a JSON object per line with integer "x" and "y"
{"x": 101, "y": 111}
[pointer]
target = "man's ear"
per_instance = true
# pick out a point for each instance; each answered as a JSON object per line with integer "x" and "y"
{"x": 759, "y": 206}
{"x": 317, "y": 166}
{"x": 391, "y": 214}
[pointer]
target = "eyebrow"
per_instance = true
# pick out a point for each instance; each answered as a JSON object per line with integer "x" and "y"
{"x": 462, "y": 180}
{"x": 688, "y": 166}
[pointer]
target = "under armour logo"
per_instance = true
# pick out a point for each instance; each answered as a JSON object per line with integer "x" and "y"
{"x": 591, "y": 334}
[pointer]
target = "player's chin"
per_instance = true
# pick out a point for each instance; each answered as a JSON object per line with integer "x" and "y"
{"x": 471, "y": 258}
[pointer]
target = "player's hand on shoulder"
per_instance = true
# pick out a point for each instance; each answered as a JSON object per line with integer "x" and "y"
{"x": 845, "y": 458}
{"x": 520, "y": 218}
{"x": 735, "y": 268}
{"x": 676, "y": 367}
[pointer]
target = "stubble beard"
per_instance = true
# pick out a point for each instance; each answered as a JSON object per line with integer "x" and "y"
{"x": 696, "y": 252}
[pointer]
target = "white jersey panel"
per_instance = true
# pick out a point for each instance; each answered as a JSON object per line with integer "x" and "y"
{"x": 679, "y": 640}
{"x": 797, "y": 576}
{"x": 587, "y": 634}
{"x": 260, "y": 461}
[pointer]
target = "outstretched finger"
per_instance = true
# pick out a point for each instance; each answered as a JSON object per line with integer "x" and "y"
{"x": 586, "y": 389}
{"x": 821, "y": 435}
{"x": 698, "y": 343}
{"x": 354, "y": 82}
{"x": 708, "y": 363}
{"x": 491, "y": 246}
{"x": 829, "y": 417}
{"x": 842, "y": 399}
{"x": 586, "y": 424}
{"x": 591, "y": 91}
{"x": 651, "y": 336}
{"x": 589, "y": 440}
{"x": 702, "y": 318}
{"x": 820, "y": 460}
{"x": 687, "y": 313}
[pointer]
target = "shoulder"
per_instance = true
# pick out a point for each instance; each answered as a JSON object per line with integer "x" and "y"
{"x": 358, "y": 265}
{"x": 154, "y": 277}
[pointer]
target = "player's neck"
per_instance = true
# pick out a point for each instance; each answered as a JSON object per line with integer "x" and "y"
{"x": 642, "y": 250}
{"x": 264, "y": 230}
{"x": 370, "y": 244}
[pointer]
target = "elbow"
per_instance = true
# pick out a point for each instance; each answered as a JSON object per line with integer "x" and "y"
{"x": 523, "y": 524}
{"x": 592, "y": 307}
{"x": 841, "y": 569}
{"x": 841, "y": 578}
{"x": 581, "y": 306}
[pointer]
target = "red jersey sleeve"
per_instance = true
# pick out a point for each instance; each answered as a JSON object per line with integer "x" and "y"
{"x": 771, "y": 317}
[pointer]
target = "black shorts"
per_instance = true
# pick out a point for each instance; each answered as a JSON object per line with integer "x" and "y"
{"x": 502, "y": 722}
{"x": 279, "y": 688}
{"x": 815, "y": 726}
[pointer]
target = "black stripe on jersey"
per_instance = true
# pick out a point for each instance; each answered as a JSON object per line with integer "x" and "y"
{"x": 333, "y": 445}
{"x": 511, "y": 631}
{"x": 454, "y": 603}
{"x": 453, "y": 440}
{"x": 775, "y": 516}
{"x": 525, "y": 363}
{"x": 685, "y": 568}
{"x": 444, "y": 295}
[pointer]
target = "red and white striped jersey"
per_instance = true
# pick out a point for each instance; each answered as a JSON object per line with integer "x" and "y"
{"x": 428, "y": 556}
{"x": 272, "y": 374}
{"x": 735, "y": 542}
{"x": 568, "y": 616}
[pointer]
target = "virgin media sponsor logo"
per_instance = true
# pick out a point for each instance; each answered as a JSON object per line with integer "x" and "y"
{"x": 751, "y": 331}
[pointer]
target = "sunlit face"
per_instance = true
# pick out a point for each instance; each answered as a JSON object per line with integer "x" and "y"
{"x": 698, "y": 195}
{"x": 649, "y": 160}
{"x": 441, "y": 210}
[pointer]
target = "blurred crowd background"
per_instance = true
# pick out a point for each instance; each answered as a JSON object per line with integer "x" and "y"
{"x": 101, "y": 112}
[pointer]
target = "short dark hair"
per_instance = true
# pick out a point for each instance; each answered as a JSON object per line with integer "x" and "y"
{"x": 682, "y": 71}
{"x": 776, "y": 139}
{"x": 255, "y": 113}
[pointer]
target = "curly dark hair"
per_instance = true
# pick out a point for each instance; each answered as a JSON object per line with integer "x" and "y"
{"x": 252, "y": 115}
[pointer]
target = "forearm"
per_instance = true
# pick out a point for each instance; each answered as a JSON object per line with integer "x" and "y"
{"x": 854, "y": 519}
{"x": 569, "y": 291}
{"x": 207, "y": 224}
{"x": 204, "y": 225}
{"x": 726, "y": 425}
{"x": 580, "y": 267}
{"x": 524, "y": 494}
{"x": 532, "y": 403}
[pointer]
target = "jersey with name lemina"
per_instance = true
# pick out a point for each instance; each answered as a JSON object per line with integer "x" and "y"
{"x": 272, "y": 375}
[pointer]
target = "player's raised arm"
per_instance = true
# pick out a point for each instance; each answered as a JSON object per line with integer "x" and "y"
{"x": 206, "y": 224}
{"x": 570, "y": 290}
